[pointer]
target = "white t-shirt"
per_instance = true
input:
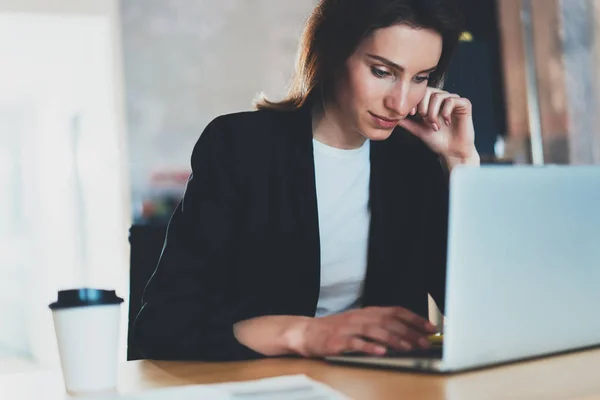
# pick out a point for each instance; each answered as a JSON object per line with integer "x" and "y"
{"x": 342, "y": 181}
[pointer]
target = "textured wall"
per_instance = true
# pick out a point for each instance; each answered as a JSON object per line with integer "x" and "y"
{"x": 189, "y": 61}
{"x": 579, "y": 40}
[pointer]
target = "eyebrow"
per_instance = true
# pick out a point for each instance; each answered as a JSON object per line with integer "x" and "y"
{"x": 396, "y": 66}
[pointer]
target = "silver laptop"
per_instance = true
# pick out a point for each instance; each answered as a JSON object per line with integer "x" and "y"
{"x": 523, "y": 268}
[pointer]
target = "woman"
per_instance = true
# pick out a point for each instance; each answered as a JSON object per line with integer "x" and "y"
{"x": 317, "y": 225}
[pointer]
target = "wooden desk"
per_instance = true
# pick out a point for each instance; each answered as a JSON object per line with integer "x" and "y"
{"x": 574, "y": 376}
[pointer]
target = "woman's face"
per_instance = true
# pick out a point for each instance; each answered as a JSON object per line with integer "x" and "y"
{"x": 385, "y": 79}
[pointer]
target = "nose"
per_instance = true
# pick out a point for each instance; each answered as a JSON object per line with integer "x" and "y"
{"x": 396, "y": 99}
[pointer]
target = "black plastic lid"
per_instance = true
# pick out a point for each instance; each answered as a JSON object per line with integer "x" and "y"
{"x": 85, "y": 297}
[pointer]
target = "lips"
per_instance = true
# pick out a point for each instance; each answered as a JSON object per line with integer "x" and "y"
{"x": 383, "y": 122}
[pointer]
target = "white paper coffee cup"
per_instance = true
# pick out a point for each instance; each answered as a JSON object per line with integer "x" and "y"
{"x": 86, "y": 322}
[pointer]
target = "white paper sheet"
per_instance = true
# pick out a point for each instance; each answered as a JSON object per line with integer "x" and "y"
{"x": 290, "y": 387}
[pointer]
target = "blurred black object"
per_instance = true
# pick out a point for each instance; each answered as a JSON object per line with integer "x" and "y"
{"x": 476, "y": 72}
{"x": 157, "y": 210}
{"x": 156, "y": 203}
{"x": 146, "y": 243}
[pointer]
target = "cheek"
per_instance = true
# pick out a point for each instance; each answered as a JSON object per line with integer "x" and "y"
{"x": 362, "y": 89}
{"x": 416, "y": 94}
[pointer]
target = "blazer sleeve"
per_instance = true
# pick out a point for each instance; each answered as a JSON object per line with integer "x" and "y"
{"x": 187, "y": 310}
{"x": 438, "y": 234}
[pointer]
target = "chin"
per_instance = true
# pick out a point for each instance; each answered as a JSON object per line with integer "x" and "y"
{"x": 376, "y": 134}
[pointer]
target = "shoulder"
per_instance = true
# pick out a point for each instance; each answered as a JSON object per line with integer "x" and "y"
{"x": 252, "y": 122}
{"x": 250, "y": 118}
{"x": 246, "y": 140}
{"x": 247, "y": 128}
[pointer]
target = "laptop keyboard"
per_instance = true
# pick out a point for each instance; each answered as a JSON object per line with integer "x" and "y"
{"x": 433, "y": 352}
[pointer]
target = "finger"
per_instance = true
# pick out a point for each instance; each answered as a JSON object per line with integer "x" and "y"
{"x": 413, "y": 111}
{"x": 383, "y": 325}
{"x": 435, "y": 103}
{"x": 423, "y": 106}
{"x": 448, "y": 107}
{"x": 384, "y": 336}
{"x": 363, "y": 346}
{"x": 411, "y": 319}
{"x": 405, "y": 333}
{"x": 420, "y": 325}
{"x": 414, "y": 127}
{"x": 343, "y": 344}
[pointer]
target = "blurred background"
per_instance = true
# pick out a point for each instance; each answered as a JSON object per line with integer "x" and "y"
{"x": 101, "y": 102}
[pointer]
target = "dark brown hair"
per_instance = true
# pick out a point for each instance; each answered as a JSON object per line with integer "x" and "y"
{"x": 336, "y": 27}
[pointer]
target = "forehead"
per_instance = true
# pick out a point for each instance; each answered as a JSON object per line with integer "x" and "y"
{"x": 414, "y": 49}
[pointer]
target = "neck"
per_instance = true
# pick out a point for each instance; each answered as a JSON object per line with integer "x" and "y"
{"x": 328, "y": 128}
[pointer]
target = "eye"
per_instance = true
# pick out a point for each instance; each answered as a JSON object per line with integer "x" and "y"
{"x": 379, "y": 73}
{"x": 421, "y": 79}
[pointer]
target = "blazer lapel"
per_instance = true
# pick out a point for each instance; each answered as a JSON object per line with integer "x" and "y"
{"x": 305, "y": 192}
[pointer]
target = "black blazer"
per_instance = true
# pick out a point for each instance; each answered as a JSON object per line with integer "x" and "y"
{"x": 244, "y": 241}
